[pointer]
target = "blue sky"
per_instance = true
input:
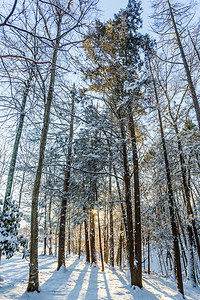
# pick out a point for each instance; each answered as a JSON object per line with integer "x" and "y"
{"x": 110, "y": 7}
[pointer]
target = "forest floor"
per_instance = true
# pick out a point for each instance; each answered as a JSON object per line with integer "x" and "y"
{"x": 81, "y": 281}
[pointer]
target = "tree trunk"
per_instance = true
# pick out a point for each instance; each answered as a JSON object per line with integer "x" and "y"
{"x": 164, "y": 263}
{"x": 56, "y": 240}
{"x": 87, "y": 248}
{"x": 121, "y": 202}
{"x": 177, "y": 260}
{"x": 61, "y": 245}
{"x": 130, "y": 243}
{"x": 16, "y": 143}
{"x": 189, "y": 211}
{"x": 111, "y": 238}
{"x": 79, "y": 246}
{"x": 195, "y": 48}
{"x": 92, "y": 237}
{"x": 105, "y": 236}
{"x": 184, "y": 258}
{"x": 187, "y": 70}
{"x": 119, "y": 252}
{"x": 148, "y": 255}
{"x": 50, "y": 228}
{"x": 33, "y": 284}
{"x": 143, "y": 253}
{"x": 69, "y": 237}
{"x": 112, "y": 259}
{"x": 21, "y": 188}
{"x": 138, "y": 237}
{"x": 100, "y": 243}
{"x": 45, "y": 228}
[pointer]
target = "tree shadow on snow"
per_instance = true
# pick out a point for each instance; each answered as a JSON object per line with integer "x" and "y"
{"x": 161, "y": 289}
{"x": 107, "y": 288}
{"x": 123, "y": 281}
{"x": 137, "y": 293}
{"x": 77, "y": 288}
{"x": 57, "y": 282}
{"x": 59, "y": 278}
{"x": 92, "y": 291}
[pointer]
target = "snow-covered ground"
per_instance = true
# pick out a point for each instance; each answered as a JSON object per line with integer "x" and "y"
{"x": 81, "y": 281}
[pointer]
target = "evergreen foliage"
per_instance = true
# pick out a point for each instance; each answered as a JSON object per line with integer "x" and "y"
{"x": 10, "y": 241}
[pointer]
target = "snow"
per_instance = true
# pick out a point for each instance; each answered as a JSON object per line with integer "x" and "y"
{"x": 81, "y": 281}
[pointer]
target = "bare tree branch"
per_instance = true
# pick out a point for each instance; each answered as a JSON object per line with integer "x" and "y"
{"x": 10, "y": 14}
{"x": 23, "y": 57}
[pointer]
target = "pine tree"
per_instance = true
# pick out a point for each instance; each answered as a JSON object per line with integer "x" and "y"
{"x": 113, "y": 49}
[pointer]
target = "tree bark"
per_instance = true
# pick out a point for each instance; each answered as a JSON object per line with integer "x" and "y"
{"x": 100, "y": 243}
{"x": 21, "y": 188}
{"x": 56, "y": 240}
{"x": 45, "y": 228}
{"x": 33, "y": 284}
{"x": 177, "y": 260}
{"x": 87, "y": 248}
{"x": 121, "y": 202}
{"x": 195, "y": 48}
{"x": 138, "y": 237}
{"x": 79, "y": 246}
{"x": 105, "y": 235}
{"x": 112, "y": 259}
{"x": 130, "y": 243}
{"x": 148, "y": 255}
{"x": 61, "y": 245}
{"x": 16, "y": 143}
{"x": 92, "y": 237}
{"x": 189, "y": 211}
{"x": 69, "y": 237}
{"x": 187, "y": 70}
{"x": 50, "y": 228}
{"x": 119, "y": 252}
